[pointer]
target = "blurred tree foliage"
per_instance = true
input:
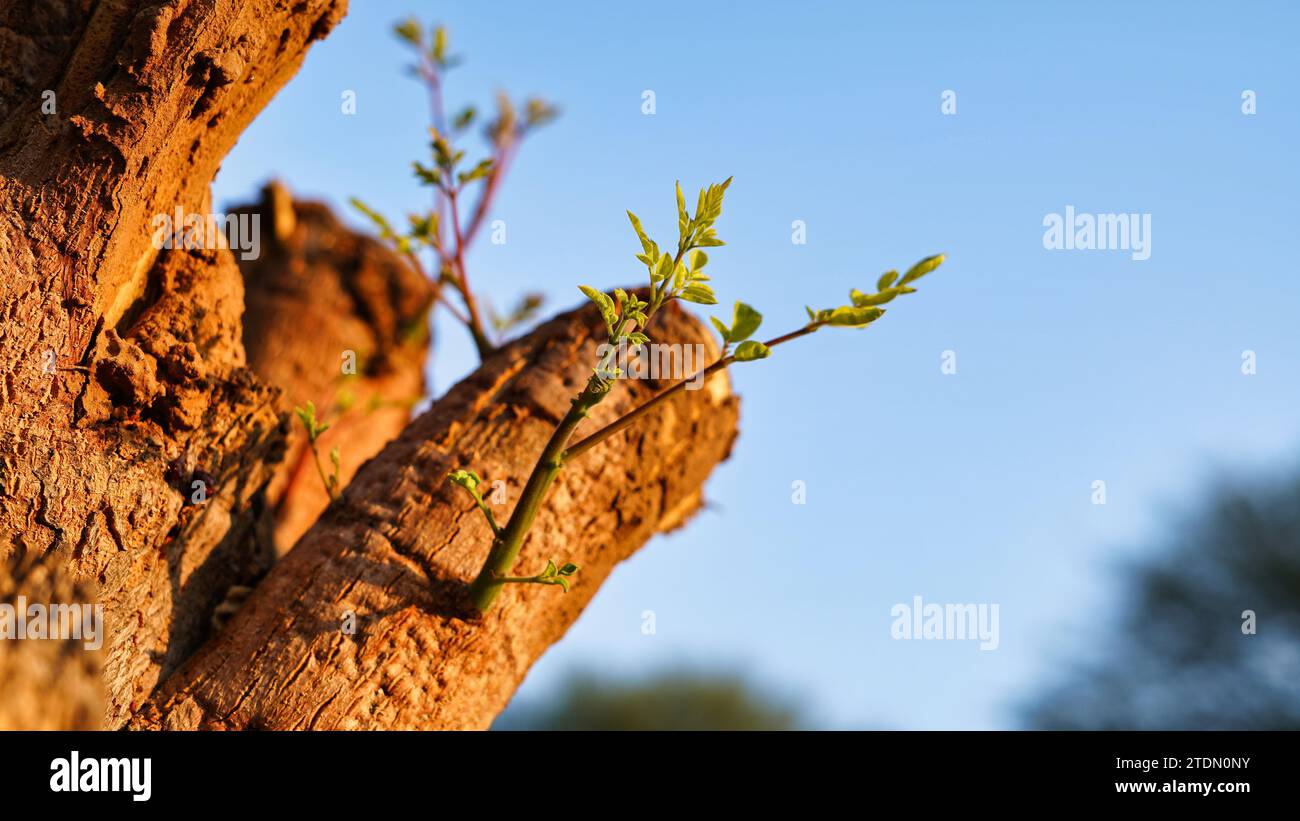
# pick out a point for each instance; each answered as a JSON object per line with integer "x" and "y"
{"x": 672, "y": 700}
{"x": 1181, "y": 656}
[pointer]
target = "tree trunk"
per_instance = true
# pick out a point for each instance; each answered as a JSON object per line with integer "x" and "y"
{"x": 47, "y": 684}
{"x": 137, "y": 445}
{"x": 122, "y": 364}
{"x": 366, "y": 624}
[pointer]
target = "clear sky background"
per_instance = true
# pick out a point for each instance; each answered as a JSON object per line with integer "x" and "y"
{"x": 1072, "y": 366}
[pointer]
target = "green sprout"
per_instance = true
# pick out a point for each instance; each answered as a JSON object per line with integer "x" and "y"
{"x": 448, "y": 229}
{"x": 314, "y": 428}
{"x": 470, "y": 481}
{"x": 523, "y": 312}
{"x": 627, "y": 317}
{"x": 551, "y": 575}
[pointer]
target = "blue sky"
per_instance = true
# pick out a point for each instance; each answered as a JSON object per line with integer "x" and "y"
{"x": 1072, "y": 366}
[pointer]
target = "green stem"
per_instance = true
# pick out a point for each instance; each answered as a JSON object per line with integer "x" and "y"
{"x": 521, "y": 580}
{"x": 625, "y": 421}
{"x": 481, "y": 340}
{"x": 315, "y": 457}
{"x": 505, "y": 547}
{"x": 487, "y": 511}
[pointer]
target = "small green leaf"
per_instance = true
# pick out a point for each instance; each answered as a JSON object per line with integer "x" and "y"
{"x": 679, "y": 276}
{"x": 438, "y": 51}
{"x": 750, "y": 350}
{"x": 410, "y": 31}
{"x": 853, "y": 317}
{"x": 424, "y": 227}
{"x": 664, "y": 269}
{"x": 862, "y": 300}
{"x": 700, "y": 294}
{"x": 479, "y": 171}
{"x": 428, "y": 176}
{"x": 465, "y": 118}
{"x": 886, "y": 279}
{"x": 569, "y": 569}
{"x": 525, "y": 309}
{"x": 646, "y": 244}
{"x": 745, "y": 320}
{"x": 378, "y": 219}
{"x": 604, "y": 303}
{"x": 921, "y": 268}
{"x": 722, "y": 329}
{"x": 683, "y": 219}
{"x": 307, "y": 415}
{"x": 538, "y": 112}
{"x": 467, "y": 479}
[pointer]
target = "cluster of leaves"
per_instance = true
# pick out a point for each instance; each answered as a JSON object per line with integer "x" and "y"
{"x": 433, "y": 60}
{"x": 314, "y": 429}
{"x": 744, "y": 322}
{"x": 672, "y": 276}
{"x": 446, "y": 229}
{"x": 552, "y": 575}
{"x": 424, "y": 228}
{"x": 865, "y": 308}
{"x": 627, "y": 316}
{"x": 681, "y": 276}
{"x": 450, "y": 179}
{"x": 508, "y": 126}
{"x": 412, "y": 32}
{"x": 446, "y": 160}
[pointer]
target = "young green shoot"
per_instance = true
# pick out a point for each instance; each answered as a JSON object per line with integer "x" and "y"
{"x": 449, "y": 228}
{"x": 314, "y": 428}
{"x": 677, "y": 275}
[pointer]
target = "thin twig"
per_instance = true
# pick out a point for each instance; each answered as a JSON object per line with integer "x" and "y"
{"x": 623, "y": 422}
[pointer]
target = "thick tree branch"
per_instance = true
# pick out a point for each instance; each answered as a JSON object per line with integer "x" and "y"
{"x": 121, "y": 369}
{"x": 394, "y": 557}
{"x": 47, "y": 684}
{"x": 337, "y": 319}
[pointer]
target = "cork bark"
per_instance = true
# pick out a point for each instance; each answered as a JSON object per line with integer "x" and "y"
{"x": 398, "y": 551}
{"x": 131, "y": 375}
{"x": 47, "y": 684}
{"x": 118, "y": 360}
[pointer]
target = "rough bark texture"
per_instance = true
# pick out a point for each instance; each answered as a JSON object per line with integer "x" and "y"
{"x": 338, "y": 319}
{"x": 47, "y": 684}
{"x": 400, "y": 547}
{"x": 124, "y": 382}
{"x": 117, "y": 360}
